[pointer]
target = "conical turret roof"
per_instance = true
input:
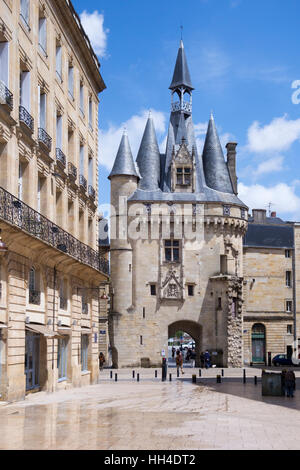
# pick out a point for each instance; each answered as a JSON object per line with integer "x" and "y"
{"x": 148, "y": 159}
{"x": 215, "y": 169}
{"x": 181, "y": 76}
{"x": 124, "y": 163}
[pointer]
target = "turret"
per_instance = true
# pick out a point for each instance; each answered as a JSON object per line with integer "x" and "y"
{"x": 148, "y": 159}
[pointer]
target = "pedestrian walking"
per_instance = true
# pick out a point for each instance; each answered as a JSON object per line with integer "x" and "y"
{"x": 193, "y": 358}
{"x": 207, "y": 359}
{"x": 290, "y": 383}
{"x": 202, "y": 360}
{"x": 179, "y": 361}
{"x": 173, "y": 352}
{"x": 101, "y": 360}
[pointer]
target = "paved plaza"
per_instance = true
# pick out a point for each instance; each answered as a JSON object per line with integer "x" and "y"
{"x": 151, "y": 415}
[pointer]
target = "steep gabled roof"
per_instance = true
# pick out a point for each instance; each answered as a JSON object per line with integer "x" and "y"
{"x": 181, "y": 76}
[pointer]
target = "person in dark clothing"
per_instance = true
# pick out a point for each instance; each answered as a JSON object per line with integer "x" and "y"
{"x": 101, "y": 360}
{"x": 173, "y": 352}
{"x": 290, "y": 383}
{"x": 202, "y": 361}
{"x": 207, "y": 359}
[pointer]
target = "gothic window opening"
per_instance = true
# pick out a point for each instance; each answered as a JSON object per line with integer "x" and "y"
{"x": 183, "y": 176}
{"x": 34, "y": 287}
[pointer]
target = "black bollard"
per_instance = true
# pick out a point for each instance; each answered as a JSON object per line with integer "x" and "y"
{"x": 194, "y": 379}
{"x": 170, "y": 377}
{"x": 222, "y": 372}
{"x": 156, "y": 374}
{"x": 133, "y": 374}
{"x": 244, "y": 376}
{"x": 219, "y": 380}
{"x": 200, "y": 372}
{"x": 116, "y": 377}
{"x": 111, "y": 374}
{"x": 177, "y": 372}
{"x": 255, "y": 380}
{"x": 164, "y": 368}
{"x": 138, "y": 377}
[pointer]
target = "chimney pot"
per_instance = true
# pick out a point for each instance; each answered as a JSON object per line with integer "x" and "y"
{"x": 273, "y": 214}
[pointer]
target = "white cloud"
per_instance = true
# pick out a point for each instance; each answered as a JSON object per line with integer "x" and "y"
{"x": 94, "y": 28}
{"x": 279, "y": 135}
{"x": 109, "y": 140}
{"x": 282, "y": 196}
{"x": 269, "y": 166}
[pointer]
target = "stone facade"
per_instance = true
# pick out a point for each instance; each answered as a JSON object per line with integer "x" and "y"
{"x": 50, "y": 268}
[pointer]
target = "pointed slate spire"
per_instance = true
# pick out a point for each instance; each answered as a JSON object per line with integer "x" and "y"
{"x": 148, "y": 159}
{"x": 181, "y": 76}
{"x": 124, "y": 163}
{"x": 215, "y": 169}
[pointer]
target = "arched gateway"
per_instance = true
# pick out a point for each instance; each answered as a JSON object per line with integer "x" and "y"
{"x": 177, "y": 227}
{"x": 193, "y": 329}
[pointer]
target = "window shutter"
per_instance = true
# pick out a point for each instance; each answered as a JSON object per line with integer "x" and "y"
{"x": 43, "y": 33}
{"x": 59, "y": 132}
{"x": 58, "y": 61}
{"x": 4, "y": 48}
{"x": 25, "y": 90}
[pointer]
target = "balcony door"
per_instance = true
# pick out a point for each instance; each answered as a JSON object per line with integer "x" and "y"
{"x": 4, "y": 76}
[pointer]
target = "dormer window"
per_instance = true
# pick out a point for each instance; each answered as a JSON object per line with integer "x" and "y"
{"x": 183, "y": 175}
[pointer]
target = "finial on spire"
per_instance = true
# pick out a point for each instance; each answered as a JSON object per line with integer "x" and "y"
{"x": 125, "y": 130}
{"x": 150, "y": 114}
{"x": 181, "y": 27}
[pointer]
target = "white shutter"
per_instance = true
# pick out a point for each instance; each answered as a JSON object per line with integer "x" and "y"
{"x": 4, "y": 48}
{"x": 59, "y": 132}
{"x": 81, "y": 162}
{"x": 25, "y": 90}
{"x": 71, "y": 81}
{"x": 58, "y": 61}
{"x": 43, "y": 33}
{"x": 42, "y": 105}
{"x": 91, "y": 171}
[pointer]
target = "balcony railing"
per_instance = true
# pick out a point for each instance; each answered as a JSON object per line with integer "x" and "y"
{"x": 34, "y": 297}
{"x": 6, "y": 97}
{"x": 60, "y": 157}
{"x": 92, "y": 192}
{"x": 83, "y": 182}
{"x": 26, "y": 118}
{"x": 44, "y": 138}
{"x": 184, "y": 106}
{"x": 72, "y": 171}
{"x": 18, "y": 214}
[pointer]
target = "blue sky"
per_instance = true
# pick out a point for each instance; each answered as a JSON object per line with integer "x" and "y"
{"x": 243, "y": 57}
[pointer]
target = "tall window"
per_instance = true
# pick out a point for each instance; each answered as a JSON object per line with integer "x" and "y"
{"x": 71, "y": 81}
{"x": 90, "y": 113}
{"x": 288, "y": 279}
{"x": 25, "y": 90}
{"x": 43, "y": 36}
{"x": 84, "y": 303}
{"x": 42, "y": 97}
{"x": 91, "y": 171}
{"x": 59, "y": 132}
{"x": 20, "y": 180}
{"x": 62, "y": 356}
{"x": 172, "y": 251}
{"x": 24, "y": 13}
{"x": 63, "y": 297}
{"x": 84, "y": 352}
{"x": 59, "y": 62}
{"x": 34, "y": 291}
{"x": 4, "y": 63}
{"x": 81, "y": 159}
{"x": 81, "y": 107}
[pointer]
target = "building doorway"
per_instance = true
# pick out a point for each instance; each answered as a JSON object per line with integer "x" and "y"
{"x": 258, "y": 344}
{"x": 186, "y": 336}
{"x": 32, "y": 361}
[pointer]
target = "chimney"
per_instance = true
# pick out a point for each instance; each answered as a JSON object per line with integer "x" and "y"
{"x": 273, "y": 214}
{"x": 231, "y": 164}
{"x": 259, "y": 216}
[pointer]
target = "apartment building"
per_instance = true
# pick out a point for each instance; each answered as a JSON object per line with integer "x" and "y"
{"x": 51, "y": 270}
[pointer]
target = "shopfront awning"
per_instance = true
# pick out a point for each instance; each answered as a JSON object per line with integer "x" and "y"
{"x": 42, "y": 330}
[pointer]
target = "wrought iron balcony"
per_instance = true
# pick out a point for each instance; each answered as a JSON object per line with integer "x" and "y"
{"x": 34, "y": 297}
{"x": 44, "y": 138}
{"x": 18, "y": 214}
{"x": 60, "y": 157}
{"x": 83, "y": 182}
{"x": 72, "y": 171}
{"x": 184, "y": 106}
{"x": 26, "y": 118}
{"x": 92, "y": 192}
{"x": 6, "y": 97}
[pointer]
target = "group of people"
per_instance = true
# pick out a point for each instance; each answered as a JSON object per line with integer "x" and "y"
{"x": 288, "y": 383}
{"x": 205, "y": 358}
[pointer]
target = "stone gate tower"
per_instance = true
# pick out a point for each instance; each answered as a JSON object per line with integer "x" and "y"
{"x": 176, "y": 241}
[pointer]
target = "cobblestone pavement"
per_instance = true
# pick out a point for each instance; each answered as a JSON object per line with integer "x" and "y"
{"x": 177, "y": 415}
